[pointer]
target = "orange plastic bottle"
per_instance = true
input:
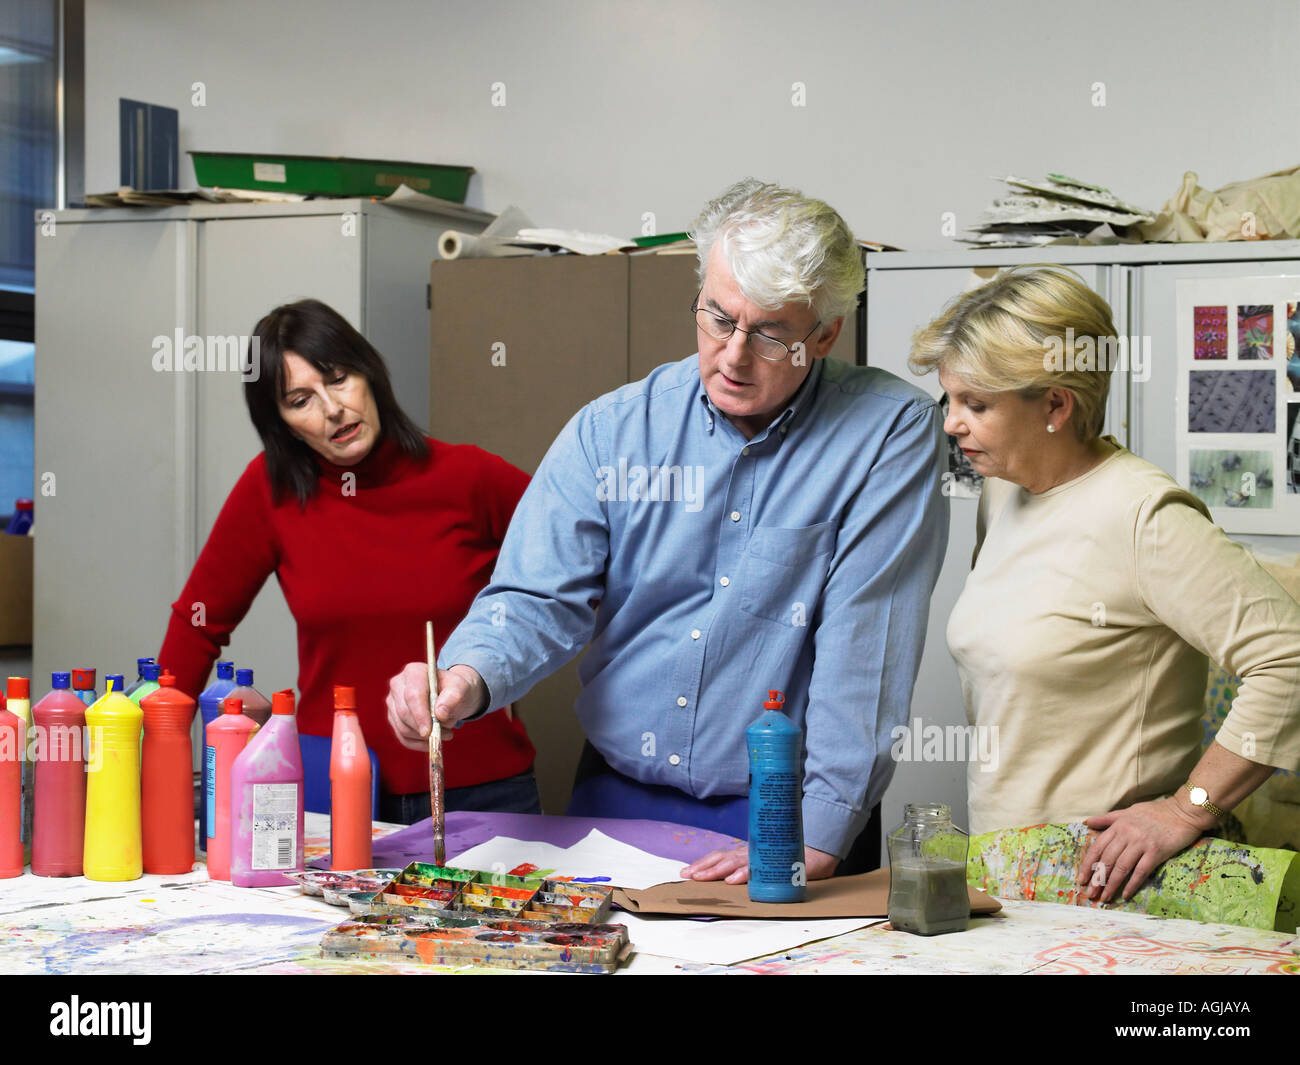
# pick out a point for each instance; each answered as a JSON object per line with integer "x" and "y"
{"x": 350, "y": 813}
{"x": 167, "y": 780}
{"x": 227, "y": 735}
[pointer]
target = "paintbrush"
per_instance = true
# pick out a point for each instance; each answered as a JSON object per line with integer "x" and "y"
{"x": 437, "y": 790}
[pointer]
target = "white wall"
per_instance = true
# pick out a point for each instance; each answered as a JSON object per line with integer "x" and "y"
{"x": 616, "y": 109}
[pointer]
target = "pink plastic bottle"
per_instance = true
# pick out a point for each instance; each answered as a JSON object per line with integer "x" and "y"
{"x": 226, "y": 738}
{"x": 266, "y": 794}
{"x": 59, "y": 831}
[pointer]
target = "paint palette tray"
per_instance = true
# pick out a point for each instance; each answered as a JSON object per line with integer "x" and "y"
{"x": 575, "y": 947}
{"x": 344, "y": 887}
{"x": 423, "y": 889}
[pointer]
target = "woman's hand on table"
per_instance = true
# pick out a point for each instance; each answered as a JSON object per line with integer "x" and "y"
{"x": 461, "y": 693}
{"x": 733, "y": 865}
{"x": 1134, "y": 841}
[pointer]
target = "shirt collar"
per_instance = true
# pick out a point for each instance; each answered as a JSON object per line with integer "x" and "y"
{"x": 783, "y": 422}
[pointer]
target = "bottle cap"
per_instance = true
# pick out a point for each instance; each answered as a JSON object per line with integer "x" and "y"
{"x": 23, "y": 504}
{"x": 244, "y": 678}
{"x": 775, "y": 700}
{"x": 232, "y": 704}
{"x": 166, "y": 680}
{"x": 140, "y": 663}
{"x": 59, "y": 680}
{"x": 19, "y": 688}
{"x": 225, "y": 670}
{"x": 83, "y": 679}
{"x": 345, "y": 698}
{"x": 151, "y": 671}
{"x": 113, "y": 683}
{"x": 282, "y": 702}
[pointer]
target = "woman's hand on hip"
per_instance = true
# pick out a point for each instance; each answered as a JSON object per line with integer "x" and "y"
{"x": 1133, "y": 841}
{"x": 461, "y": 693}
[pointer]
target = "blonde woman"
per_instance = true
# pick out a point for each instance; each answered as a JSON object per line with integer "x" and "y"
{"x": 1098, "y": 589}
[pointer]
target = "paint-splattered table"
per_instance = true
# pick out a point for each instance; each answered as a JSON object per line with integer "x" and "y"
{"x": 188, "y": 924}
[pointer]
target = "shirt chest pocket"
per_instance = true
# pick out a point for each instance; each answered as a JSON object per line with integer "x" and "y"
{"x": 782, "y": 572}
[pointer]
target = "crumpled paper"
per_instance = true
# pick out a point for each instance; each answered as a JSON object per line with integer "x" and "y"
{"x": 1263, "y": 208}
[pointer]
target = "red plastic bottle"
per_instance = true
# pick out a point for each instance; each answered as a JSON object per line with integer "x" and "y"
{"x": 59, "y": 826}
{"x": 227, "y": 736}
{"x": 350, "y": 813}
{"x": 13, "y": 740}
{"x": 167, "y": 779}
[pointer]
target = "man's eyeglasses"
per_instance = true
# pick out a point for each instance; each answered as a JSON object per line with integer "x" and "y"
{"x": 764, "y": 346}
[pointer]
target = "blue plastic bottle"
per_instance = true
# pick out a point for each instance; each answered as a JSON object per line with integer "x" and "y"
{"x": 20, "y": 522}
{"x": 777, "y": 871}
{"x": 209, "y": 710}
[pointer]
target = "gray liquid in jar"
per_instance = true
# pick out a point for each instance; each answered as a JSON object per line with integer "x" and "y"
{"x": 928, "y": 897}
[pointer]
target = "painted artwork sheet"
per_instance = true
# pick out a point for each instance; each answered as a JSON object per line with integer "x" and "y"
{"x": 1238, "y": 394}
{"x": 1214, "y": 880}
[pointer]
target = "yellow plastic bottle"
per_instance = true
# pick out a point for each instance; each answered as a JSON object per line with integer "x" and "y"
{"x": 113, "y": 841}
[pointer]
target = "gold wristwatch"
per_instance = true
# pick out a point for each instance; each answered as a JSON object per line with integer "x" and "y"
{"x": 1200, "y": 797}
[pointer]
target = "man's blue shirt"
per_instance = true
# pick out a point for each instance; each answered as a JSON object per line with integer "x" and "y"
{"x": 705, "y": 569}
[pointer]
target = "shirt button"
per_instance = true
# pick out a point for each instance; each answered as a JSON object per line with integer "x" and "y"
{"x": 725, "y": 581}
{"x": 695, "y": 634}
{"x": 735, "y": 515}
{"x": 674, "y": 759}
{"x": 744, "y": 451}
{"x": 785, "y": 428}
{"x": 681, "y": 700}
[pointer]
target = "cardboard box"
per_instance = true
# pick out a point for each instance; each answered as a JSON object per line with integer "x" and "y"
{"x": 16, "y": 589}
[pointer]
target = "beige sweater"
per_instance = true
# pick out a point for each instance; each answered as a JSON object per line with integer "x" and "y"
{"x": 1082, "y": 634}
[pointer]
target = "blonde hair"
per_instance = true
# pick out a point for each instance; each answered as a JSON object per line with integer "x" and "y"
{"x": 782, "y": 247}
{"x": 1028, "y": 330}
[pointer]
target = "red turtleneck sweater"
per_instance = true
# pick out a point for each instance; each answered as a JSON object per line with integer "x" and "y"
{"x": 362, "y": 567}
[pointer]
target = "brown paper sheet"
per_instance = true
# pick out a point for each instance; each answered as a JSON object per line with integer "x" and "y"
{"x": 866, "y": 895}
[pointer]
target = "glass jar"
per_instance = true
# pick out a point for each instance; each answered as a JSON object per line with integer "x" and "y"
{"x": 927, "y": 872}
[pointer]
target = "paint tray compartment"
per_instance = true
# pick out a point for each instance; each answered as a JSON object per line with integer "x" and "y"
{"x": 337, "y": 888}
{"x": 423, "y": 889}
{"x": 466, "y": 940}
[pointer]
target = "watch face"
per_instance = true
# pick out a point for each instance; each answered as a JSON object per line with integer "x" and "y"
{"x": 1199, "y": 795}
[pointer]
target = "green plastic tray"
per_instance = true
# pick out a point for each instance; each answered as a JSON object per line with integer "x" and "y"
{"x": 315, "y": 175}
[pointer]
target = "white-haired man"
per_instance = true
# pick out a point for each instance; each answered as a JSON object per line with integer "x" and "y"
{"x": 752, "y": 517}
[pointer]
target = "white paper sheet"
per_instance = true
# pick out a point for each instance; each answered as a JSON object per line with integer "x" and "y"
{"x": 727, "y": 940}
{"x": 596, "y": 855}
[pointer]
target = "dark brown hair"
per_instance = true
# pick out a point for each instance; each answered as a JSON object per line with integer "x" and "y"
{"x": 322, "y": 336}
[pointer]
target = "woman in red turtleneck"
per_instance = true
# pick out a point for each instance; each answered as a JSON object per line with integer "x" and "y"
{"x": 372, "y": 529}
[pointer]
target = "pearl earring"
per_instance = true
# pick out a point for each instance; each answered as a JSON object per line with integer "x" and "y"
{"x": 1051, "y": 428}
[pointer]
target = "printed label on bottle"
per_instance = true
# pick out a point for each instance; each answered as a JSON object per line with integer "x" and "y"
{"x": 210, "y": 798}
{"x": 275, "y": 826}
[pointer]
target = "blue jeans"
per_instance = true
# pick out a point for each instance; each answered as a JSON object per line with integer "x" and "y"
{"x": 513, "y": 795}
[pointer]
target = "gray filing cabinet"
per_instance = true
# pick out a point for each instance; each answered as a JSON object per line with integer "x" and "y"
{"x": 133, "y": 465}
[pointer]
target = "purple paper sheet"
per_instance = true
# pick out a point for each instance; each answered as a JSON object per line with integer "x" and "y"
{"x": 467, "y": 829}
